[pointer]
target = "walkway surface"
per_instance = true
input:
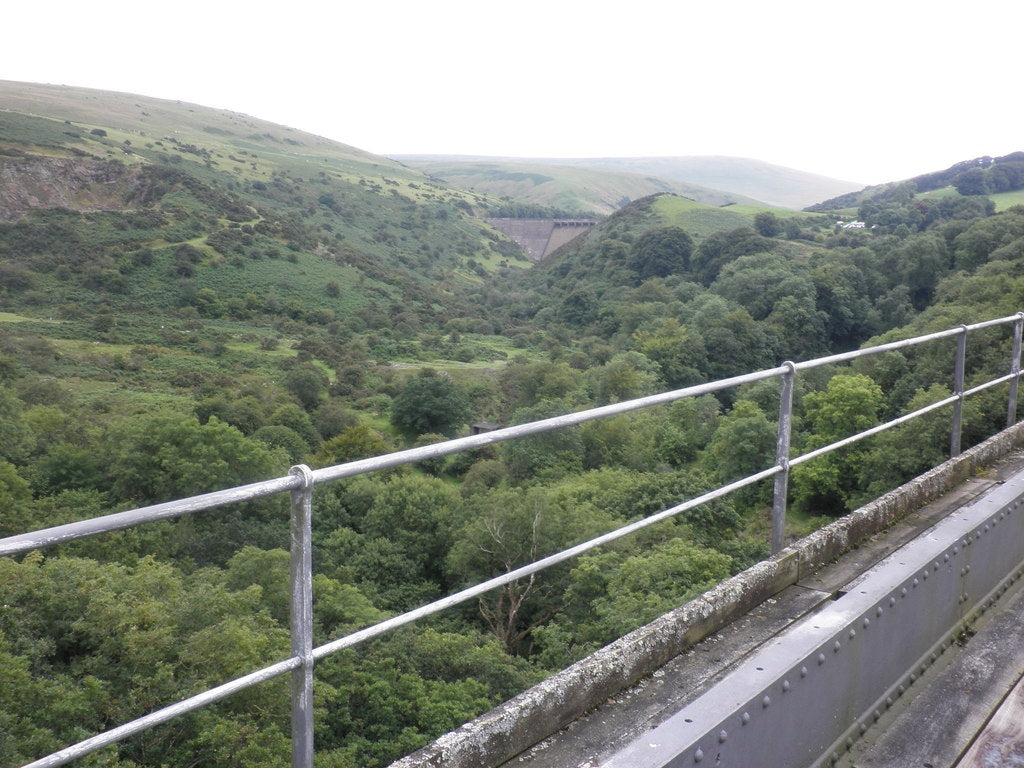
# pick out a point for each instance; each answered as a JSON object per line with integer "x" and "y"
{"x": 937, "y": 726}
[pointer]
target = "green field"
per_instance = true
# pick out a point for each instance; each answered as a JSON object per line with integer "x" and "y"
{"x": 1005, "y": 200}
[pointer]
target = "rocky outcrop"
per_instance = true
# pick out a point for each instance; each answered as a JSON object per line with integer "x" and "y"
{"x": 82, "y": 184}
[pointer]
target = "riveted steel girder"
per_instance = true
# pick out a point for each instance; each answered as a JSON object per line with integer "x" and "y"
{"x": 804, "y": 698}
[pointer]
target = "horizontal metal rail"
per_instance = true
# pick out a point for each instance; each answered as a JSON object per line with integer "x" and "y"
{"x": 805, "y": 457}
{"x": 301, "y": 480}
{"x": 845, "y": 357}
{"x": 63, "y": 534}
{"x": 200, "y": 700}
{"x": 69, "y": 532}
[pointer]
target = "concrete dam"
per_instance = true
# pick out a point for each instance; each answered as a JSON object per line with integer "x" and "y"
{"x": 539, "y": 237}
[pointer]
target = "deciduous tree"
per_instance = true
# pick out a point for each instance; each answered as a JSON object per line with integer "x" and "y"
{"x": 429, "y": 402}
{"x": 661, "y": 252}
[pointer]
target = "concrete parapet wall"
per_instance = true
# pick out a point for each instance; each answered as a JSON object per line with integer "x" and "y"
{"x": 826, "y": 544}
{"x": 535, "y": 714}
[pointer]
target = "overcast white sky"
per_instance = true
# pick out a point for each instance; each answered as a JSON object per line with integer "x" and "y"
{"x": 868, "y": 92}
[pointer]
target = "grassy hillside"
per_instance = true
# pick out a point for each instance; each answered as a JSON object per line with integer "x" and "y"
{"x": 569, "y": 188}
{"x": 775, "y": 185}
{"x": 710, "y": 180}
{"x": 978, "y": 176}
{"x": 235, "y": 152}
{"x": 702, "y": 220}
{"x": 1002, "y": 200}
{"x": 147, "y": 211}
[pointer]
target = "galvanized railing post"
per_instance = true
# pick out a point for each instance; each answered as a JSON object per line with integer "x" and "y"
{"x": 302, "y": 617}
{"x": 782, "y": 457}
{"x": 958, "y": 390}
{"x": 1011, "y": 406}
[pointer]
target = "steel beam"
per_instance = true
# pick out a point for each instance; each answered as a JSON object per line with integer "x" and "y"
{"x": 804, "y": 699}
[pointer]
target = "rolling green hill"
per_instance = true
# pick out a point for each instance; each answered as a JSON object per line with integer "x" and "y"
{"x": 978, "y": 176}
{"x": 164, "y": 202}
{"x": 563, "y": 186}
{"x": 594, "y": 184}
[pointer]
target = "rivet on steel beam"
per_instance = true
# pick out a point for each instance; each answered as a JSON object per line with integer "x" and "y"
{"x": 935, "y": 566}
{"x": 863, "y": 728}
{"x": 766, "y": 702}
{"x": 821, "y": 659}
{"x": 745, "y": 718}
{"x": 878, "y": 715}
{"x": 916, "y": 582}
{"x": 945, "y": 558}
{"x": 803, "y": 671}
{"x": 849, "y": 742}
{"x": 785, "y": 686}
{"x": 934, "y": 657}
{"x": 698, "y": 755}
{"x": 879, "y": 610}
{"x": 967, "y": 569}
{"x": 888, "y": 701}
{"x": 924, "y": 574}
{"x": 866, "y": 623}
{"x": 853, "y": 633}
{"x": 722, "y": 736}
{"x": 892, "y": 602}
{"x": 836, "y": 647}
{"x": 913, "y": 678}
{"x": 901, "y": 690}
{"x": 956, "y": 550}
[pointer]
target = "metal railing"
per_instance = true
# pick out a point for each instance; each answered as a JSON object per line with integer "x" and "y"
{"x": 301, "y": 481}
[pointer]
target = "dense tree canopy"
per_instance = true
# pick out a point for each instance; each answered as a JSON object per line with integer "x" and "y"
{"x": 662, "y": 252}
{"x": 430, "y": 402}
{"x": 218, "y": 333}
